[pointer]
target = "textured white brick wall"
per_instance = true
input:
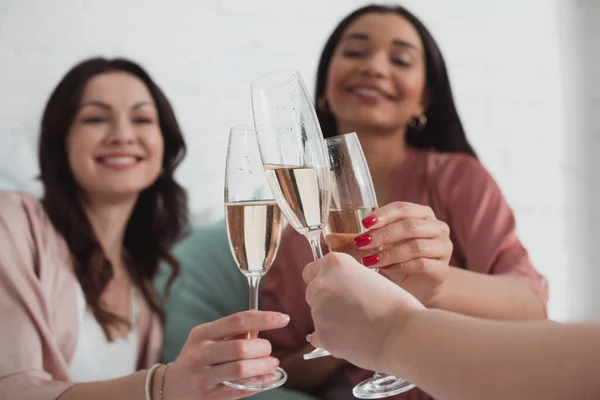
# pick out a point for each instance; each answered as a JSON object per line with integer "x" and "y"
{"x": 524, "y": 94}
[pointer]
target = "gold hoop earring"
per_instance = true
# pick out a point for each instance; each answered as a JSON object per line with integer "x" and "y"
{"x": 418, "y": 123}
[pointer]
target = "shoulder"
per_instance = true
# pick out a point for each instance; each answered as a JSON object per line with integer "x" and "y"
{"x": 438, "y": 162}
{"x": 457, "y": 170}
{"x": 463, "y": 185}
{"x": 25, "y": 226}
{"x": 20, "y": 211}
{"x": 15, "y": 201}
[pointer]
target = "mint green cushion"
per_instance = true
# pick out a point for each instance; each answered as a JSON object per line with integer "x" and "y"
{"x": 209, "y": 287}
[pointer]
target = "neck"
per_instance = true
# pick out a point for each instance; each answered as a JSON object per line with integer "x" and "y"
{"x": 383, "y": 151}
{"x": 109, "y": 220}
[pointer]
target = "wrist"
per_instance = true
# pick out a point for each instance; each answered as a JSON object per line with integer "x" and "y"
{"x": 440, "y": 293}
{"x": 400, "y": 336}
{"x": 435, "y": 300}
{"x": 156, "y": 379}
{"x": 159, "y": 382}
{"x": 150, "y": 382}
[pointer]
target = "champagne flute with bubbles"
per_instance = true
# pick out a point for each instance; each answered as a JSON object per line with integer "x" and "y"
{"x": 254, "y": 227}
{"x": 352, "y": 199}
{"x": 294, "y": 155}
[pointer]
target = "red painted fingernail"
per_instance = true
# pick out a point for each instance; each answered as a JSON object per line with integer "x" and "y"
{"x": 369, "y": 221}
{"x": 370, "y": 260}
{"x": 362, "y": 240}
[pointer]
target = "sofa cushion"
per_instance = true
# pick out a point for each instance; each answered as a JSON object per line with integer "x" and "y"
{"x": 209, "y": 287}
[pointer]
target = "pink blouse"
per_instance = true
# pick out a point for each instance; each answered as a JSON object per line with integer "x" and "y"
{"x": 462, "y": 193}
{"x": 38, "y": 306}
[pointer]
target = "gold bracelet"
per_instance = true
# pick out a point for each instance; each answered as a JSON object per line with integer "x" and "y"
{"x": 149, "y": 376}
{"x": 162, "y": 381}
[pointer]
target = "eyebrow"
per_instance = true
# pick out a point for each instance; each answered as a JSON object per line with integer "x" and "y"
{"x": 141, "y": 104}
{"x": 95, "y": 103}
{"x": 105, "y": 106}
{"x": 395, "y": 42}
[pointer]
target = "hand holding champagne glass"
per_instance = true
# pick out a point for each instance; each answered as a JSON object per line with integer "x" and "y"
{"x": 352, "y": 195}
{"x": 254, "y": 226}
{"x": 294, "y": 155}
{"x": 353, "y": 198}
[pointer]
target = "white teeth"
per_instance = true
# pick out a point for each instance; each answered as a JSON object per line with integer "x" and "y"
{"x": 368, "y": 92}
{"x": 118, "y": 160}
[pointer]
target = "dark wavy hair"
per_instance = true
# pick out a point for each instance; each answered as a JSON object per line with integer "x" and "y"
{"x": 444, "y": 131}
{"x": 160, "y": 214}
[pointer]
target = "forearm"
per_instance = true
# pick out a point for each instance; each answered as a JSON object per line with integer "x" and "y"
{"x": 308, "y": 375}
{"x": 130, "y": 387}
{"x": 489, "y": 296}
{"x": 457, "y": 357}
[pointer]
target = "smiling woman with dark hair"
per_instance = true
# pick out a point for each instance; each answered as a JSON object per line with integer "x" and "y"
{"x": 80, "y": 318}
{"x": 382, "y": 75}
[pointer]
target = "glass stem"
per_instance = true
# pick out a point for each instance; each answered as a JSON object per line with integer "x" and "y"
{"x": 314, "y": 238}
{"x": 253, "y": 282}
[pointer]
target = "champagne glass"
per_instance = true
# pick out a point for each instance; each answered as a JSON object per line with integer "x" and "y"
{"x": 294, "y": 155}
{"x": 353, "y": 198}
{"x": 254, "y": 227}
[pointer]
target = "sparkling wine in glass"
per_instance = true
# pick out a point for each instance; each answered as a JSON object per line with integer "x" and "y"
{"x": 254, "y": 227}
{"x": 353, "y": 198}
{"x": 294, "y": 155}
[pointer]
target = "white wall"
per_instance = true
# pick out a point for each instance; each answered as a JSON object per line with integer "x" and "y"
{"x": 506, "y": 60}
{"x": 580, "y": 50}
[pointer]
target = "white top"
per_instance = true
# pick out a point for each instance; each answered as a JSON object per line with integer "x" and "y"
{"x": 95, "y": 358}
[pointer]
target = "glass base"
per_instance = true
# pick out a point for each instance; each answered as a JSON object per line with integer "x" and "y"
{"x": 380, "y": 386}
{"x": 262, "y": 382}
{"x": 316, "y": 353}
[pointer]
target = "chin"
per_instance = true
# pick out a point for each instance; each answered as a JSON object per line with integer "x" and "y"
{"x": 118, "y": 192}
{"x": 369, "y": 119}
{"x": 373, "y": 125}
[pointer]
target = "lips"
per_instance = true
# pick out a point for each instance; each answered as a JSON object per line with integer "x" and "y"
{"x": 119, "y": 161}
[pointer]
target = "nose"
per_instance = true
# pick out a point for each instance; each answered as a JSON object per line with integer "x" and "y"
{"x": 376, "y": 65}
{"x": 122, "y": 132}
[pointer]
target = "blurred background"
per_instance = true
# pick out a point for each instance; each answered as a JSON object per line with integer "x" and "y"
{"x": 525, "y": 74}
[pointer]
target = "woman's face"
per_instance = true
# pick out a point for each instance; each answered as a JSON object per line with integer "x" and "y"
{"x": 115, "y": 145}
{"x": 376, "y": 79}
